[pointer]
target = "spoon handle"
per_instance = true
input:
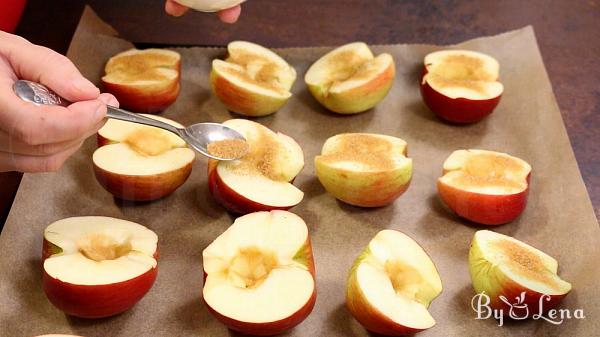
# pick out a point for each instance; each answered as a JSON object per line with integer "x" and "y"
{"x": 116, "y": 113}
{"x": 39, "y": 94}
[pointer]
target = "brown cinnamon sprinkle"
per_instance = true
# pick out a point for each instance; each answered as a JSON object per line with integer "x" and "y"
{"x": 369, "y": 150}
{"x": 228, "y": 148}
{"x": 524, "y": 262}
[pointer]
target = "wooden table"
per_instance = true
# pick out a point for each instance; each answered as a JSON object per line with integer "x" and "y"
{"x": 568, "y": 33}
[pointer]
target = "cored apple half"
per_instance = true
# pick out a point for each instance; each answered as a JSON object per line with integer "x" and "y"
{"x": 144, "y": 80}
{"x": 252, "y": 80}
{"x": 461, "y": 86}
{"x": 364, "y": 169}
{"x": 514, "y": 275}
{"x": 260, "y": 274}
{"x": 98, "y": 266}
{"x": 350, "y": 79}
{"x": 391, "y": 285}
{"x": 141, "y": 163}
{"x": 261, "y": 180}
{"x": 486, "y": 187}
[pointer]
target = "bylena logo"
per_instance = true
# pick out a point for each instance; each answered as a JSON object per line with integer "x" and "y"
{"x": 520, "y": 310}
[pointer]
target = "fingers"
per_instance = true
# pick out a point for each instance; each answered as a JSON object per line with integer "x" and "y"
{"x": 108, "y": 99}
{"x": 43, "y": 65}
{"x": 230, "y": 15}
{"x": 45, "y": 124}
{"x": 9, "y": 144}
{"x": 174, "y": 8}
{"x": 34, "y": 164}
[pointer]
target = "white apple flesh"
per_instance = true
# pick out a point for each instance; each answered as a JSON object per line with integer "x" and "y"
{"x": 252, "y": 80}
{"x": 350, "y": 79}
{"x": 261, "y": 180}
{"x": 503, "y": 267}
{"x": 141, "y": 163}
{"x": 260, "y": 274}
{"x": 98, "y": 266}
{"x": 486, "y": 187}
{"x": 364, "y": 169}
{"x": 391, "y": 285}
{"x": 145, "y": 81}
{"x": 461, "y": 86}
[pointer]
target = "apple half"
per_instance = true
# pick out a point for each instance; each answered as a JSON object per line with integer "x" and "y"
{"x": 252, "y": 80}
{"x": 514, "y": 275}
{"x": 259, "y": 275}
{"x": 143, "y": 80}
{"x": 98, "y": 266}
{"x": 261, "y": 180}
{"x": 486, "y": 187}
{"x": 350, "y": 79}
{"x": 461, "y": 86}
{"x": 391, "y": 285}
{"x": 364, "y": 169}
{"x": 141, "y": 163}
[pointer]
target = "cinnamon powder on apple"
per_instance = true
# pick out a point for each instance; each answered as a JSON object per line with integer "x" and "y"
{"x": 228, "y": 148}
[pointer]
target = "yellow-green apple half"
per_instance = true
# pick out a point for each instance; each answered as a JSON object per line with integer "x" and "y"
{"x": 350, "y": 79}
{"x": 252, "y": 80}
{"x": 518, "y": 278}
{"x": 262, "y": 179}
{"x": 461, "y": 86}
{"x": 486, "y": 187}
{"x": 143, "y": 80}
{"x": 259, "y": 275}
{"x": 364, "y": 169}
{"x": 98, "y": 266}
{"x": 391, "y": 285}
{"x": 140, "y": 163}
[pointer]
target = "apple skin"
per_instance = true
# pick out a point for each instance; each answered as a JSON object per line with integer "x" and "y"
{"x": 358, "y": 99}
{"x": 456, "y": 110}
{"x": 368, "y": 316}
{"x": 95, "y": 301}
{"x": 142, "y": 188}
{"x": 230, "y": 199}
{"x": 241, "y": 100}
{"x": 144, "y": 100}
{"x": 305, "y": 256}
{"x": 486, "y": 209}
{"x": 501, "y": 285}
{"x": 364, "y": 189}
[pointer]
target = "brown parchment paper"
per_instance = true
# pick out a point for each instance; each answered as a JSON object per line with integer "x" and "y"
{"x": 558, "y": 220}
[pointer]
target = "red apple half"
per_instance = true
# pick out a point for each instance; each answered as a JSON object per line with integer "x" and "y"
{"x": 391, "y": 285}
{"x": 260, "y": 274}
{"x": 261, "y": 180}
{"x": 252, "y": 80}
{"x": 514, "y": 275}
{"x": 143, "y": 80}
{"x": 364, "y": 169}
{"x": 486, "y": 187}
{"x": 97, "y": 266}
{"x": 350, "y": 79}
{"x": 461, "y": 86}
{"x": 141, "y": 163}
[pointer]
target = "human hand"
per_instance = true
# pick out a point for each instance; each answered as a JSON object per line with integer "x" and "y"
{"x": 229, "y": 15}
{"x": 40, "y": 138}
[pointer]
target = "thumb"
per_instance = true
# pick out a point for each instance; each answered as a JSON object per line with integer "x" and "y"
{"x": 43, "y": 65}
